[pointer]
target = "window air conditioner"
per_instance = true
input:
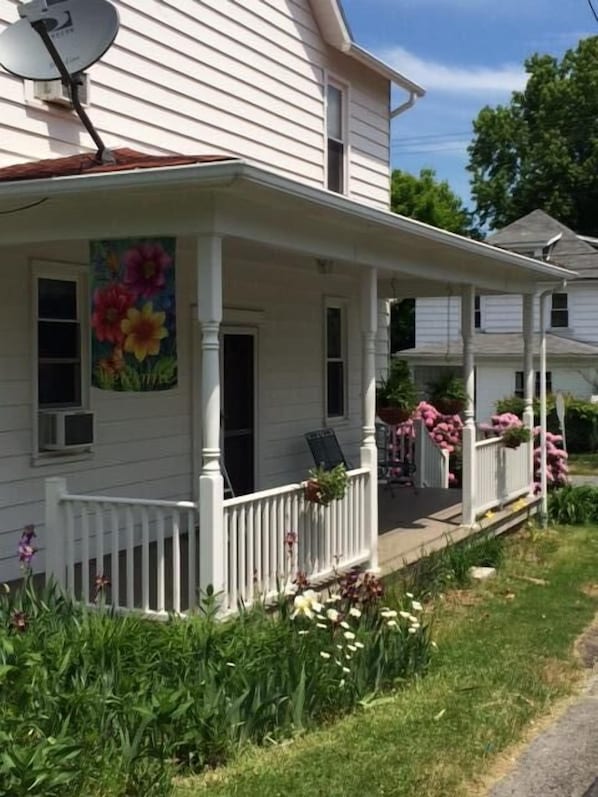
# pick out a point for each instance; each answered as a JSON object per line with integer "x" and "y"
{"x": 70, "y": 430}
{"x": 56, "y": 93}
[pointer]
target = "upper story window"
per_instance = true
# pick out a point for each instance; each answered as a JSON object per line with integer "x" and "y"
{"x": 520, "y": 383}
{"x": 559, "y": 312}
{"x": 336, "y": 360}
{"x": 477, "y": 314}
{"x": 336, "y": 138}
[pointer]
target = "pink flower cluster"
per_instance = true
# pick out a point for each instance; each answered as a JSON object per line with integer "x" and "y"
{"x": 445, "y": 430}
{"x": 557, "y": 472}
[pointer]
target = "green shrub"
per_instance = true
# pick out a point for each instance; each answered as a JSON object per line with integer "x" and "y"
{"x": 581, "y": 420}
{"x": 96, "y": 703}
{"x": 574, "y": 506}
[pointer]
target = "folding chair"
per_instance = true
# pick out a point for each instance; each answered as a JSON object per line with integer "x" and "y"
{"x": 395, "y": 459}
{"x": 326, "y": 450}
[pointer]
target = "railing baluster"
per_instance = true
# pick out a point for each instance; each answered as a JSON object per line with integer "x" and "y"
{"x": 70, "y": 549}
{"x": 145, "y": 591}
{"x": 115, "y": 564}
{"x": 176, "y": 562}
{"x": 85, "y": 552}
{"x": 192, "y": 557}
{"x": 234, "y": 553}
{"x": 259, "y": 553}
{"x": 265, "y": 585}
{"x": 99, "y": 514}
{"x": 242, "y": 554}
{"x": 130, "y": 521}
{"x": 160, "y": 562}
{"x": 248, "y": 576}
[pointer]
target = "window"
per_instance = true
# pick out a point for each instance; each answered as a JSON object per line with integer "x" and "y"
{"x": 335, "y": 360}
{"x": 520, "y": 384}
{"x": 59, "y": 349}
{"x": 477, "y": 315}
{"x": 559, "y": 313}
{"x": 335, "y": 138}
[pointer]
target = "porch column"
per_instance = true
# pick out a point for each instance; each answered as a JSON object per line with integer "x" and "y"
{"x": 529, "y": 377}
{"x": 211, "y": 486}
{"x": 469, "y": 429}
{"x": 368, "y": 451}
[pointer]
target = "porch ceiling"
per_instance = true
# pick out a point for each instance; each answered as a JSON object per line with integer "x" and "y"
{"x": 235, "y": 200}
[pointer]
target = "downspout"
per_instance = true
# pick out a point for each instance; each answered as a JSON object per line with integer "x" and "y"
{"x": 543, "y": 413}
{"x": 413, "y": 98}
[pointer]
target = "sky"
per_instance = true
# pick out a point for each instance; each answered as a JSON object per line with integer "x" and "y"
{"x": 466, "y": 54}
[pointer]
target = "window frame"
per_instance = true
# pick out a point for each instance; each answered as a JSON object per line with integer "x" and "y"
{"x": 344, "y": 89}
{"x": 477, "y": 312}
{"x": 519, "y": 391}
{"x": 557, "y": 311}
{"x": 342, "y": 305}
{"x": 63, "y": 272}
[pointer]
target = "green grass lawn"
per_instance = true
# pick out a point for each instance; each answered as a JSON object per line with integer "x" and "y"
{"x": 505, "y": 656}
{"x": 583, "y": 464}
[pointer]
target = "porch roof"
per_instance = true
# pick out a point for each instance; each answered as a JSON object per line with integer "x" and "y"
{"x": 500, "y": 345}
{"x": 235, "y": 199}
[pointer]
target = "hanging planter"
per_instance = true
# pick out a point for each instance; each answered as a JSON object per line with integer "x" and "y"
{"x": 393, "y": 415}
{"x": 325, "y": 486}
{"x": 396, "y": 397}
{"x": 514, "y": 436}
{"x": 448, "y": 395}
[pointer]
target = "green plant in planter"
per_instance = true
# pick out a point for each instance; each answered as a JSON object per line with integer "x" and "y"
{"x": 448, "y": 394}
{"x": 325, "y": 486}
{"x": 514, "y": 436}
{"x": 396, "y": 397}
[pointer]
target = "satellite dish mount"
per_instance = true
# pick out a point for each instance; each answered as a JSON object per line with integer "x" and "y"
{"x": 74, "y": 34}
{"x": 72, "y": 82}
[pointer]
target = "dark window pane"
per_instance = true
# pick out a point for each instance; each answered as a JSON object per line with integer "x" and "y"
{"x": 58, "y": 340}
{"x": 334, "y": 346}
{"x": 519, "y": 384}
{"x": 59, "y": 384}
{"x": 559, "y": 318}
{"x": 336, "y": 154}
{"x": 57, "y": 299}
{"x": 336, "y": 390}
{"x": 559, "y": 301}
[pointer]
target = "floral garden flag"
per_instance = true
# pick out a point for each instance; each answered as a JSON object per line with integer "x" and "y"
{"x": 133, "y": 314}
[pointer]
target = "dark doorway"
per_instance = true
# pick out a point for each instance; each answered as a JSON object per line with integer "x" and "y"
{"x": 238, "y": 410}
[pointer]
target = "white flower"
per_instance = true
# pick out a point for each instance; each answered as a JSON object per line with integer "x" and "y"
{"x": 332, "y": 615}
{"x": 324, "y": 655}
{"x": 413, "y": 619}
{"x": 352, "y": 648}
{"x": 388, "y": 614}
{"x": 434, "y": 645}
{"x": 349, "y": 635}
{"x": 359, "y": 645}
{"x": 339, "y": 647}
{"x": 313, "y": 599}
{"x": 321, "y": 625}
{"x": 346, "y": 669}
{"x": 346, "y": 625}
{"x": 303, "y": 633}
{"x": 302, "y": 605}
{"x": 355, "y": 612}
{"x": 341, "y": 683}
{"x": 405, "y": 615}
{"x": 290, "y": 588}
{"x": 333, "y": 599}
{"x": 409, "y": 594}
{"x": 413, "y": 630}
{"x": 347, "y": 657}
{"x": 416, "y": 606}
{"x": 230, "y": 664}
{"x": 416, "y": 625}
{"x": 392, "y": 623}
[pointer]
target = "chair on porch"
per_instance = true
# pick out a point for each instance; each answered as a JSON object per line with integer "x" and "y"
{"x": 326, "y": 450}
{"x": 396, "y": 464}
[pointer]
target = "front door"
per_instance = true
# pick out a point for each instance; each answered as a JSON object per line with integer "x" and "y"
{"x": 238, "y": 409}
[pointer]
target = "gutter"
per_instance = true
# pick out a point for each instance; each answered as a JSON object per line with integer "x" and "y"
{"x": 225, "y": 174}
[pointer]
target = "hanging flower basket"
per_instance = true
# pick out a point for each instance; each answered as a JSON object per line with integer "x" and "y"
{"x": 393, "y": 415}
{"x": 514, "y": 436}
{"x": 449, "y": 406}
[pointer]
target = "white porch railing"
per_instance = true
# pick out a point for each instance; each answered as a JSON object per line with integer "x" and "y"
{"x": 431, "y": 461}
{"x": 502, "y": 474}
{"x": 260, "y": 557}
{"x": 131, "y": 553}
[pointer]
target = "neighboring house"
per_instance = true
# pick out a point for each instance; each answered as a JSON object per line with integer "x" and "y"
{"x": 249, "y": 318}
{"x": 572, "y": 322}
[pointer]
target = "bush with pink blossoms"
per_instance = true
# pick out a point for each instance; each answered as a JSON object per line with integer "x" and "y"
{"x": 445, "y": 430}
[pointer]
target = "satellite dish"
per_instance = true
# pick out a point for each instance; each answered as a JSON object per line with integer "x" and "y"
{"x": 81, "y": 31}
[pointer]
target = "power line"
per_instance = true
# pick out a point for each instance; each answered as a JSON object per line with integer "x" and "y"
{"x": 593, "y": 10}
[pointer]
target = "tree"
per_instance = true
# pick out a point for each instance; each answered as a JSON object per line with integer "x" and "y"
{"x": 428, "y": 199}
{"x": 541, "y": 150}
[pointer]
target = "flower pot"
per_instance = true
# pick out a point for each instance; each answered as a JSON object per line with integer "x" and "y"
{"x": 449, "y": 406}
{"x": 312, "y": 492}
{"x": 393, "y": 416}
{"x": 512, "y": 445}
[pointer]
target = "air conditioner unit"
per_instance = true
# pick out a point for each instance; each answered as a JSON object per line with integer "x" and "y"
{"x": 65, "y": 430}
{"x": 56, "y": 93}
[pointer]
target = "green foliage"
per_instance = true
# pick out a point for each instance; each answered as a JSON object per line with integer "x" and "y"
{"x": 427, "y": 199}
{"x": 541, "y": 150}
{"x": 581, "y": 420}
{"x": 398, "y": 390}
{"x": 514, "y": 436}
{"x": 332, "y": 484}
{"x": 574, "y": 506}
{"x": 449, "y": 387}
{"x": 402, "y": 325}
{"x": 94, "y": 703}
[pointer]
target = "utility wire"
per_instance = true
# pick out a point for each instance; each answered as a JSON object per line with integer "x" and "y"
{"x": 593, "y": 10}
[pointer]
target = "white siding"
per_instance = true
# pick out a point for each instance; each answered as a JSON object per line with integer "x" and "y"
{"x": 437, "y": 320}
{"x": 144, "y": 442}
{"x": 239, "y": 77}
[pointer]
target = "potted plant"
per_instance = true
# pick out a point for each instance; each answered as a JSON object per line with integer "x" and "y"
{"x": 514, "y": 436}
{"x": 324, "y": 486}
{"x": 448, "y": 394}
{"x": 396, "y": 396}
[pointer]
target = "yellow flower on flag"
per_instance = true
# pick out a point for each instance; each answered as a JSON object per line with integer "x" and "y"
{"x": 143, "y": 330}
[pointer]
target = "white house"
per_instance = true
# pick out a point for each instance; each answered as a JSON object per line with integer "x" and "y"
{"x": 571, "y": 322}
{"x": 244, "y": 230}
